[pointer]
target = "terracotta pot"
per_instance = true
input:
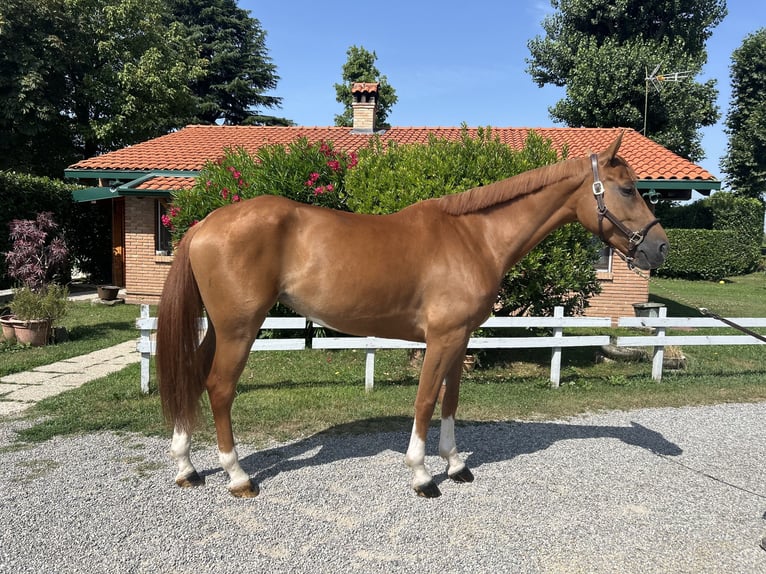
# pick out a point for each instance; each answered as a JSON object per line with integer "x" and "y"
{"x": 35, "y": 332}
{"x": 108, "y": 292}
{"x": 8, "y": 323}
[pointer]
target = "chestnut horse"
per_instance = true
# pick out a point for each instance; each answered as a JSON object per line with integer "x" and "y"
{"x": 428, "y": 273}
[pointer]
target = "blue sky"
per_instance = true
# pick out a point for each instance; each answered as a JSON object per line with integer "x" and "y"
{"x": 450, "y": 62}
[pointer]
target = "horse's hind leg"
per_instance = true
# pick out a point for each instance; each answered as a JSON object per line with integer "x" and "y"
{"x": 180, "y": 446}
{"x": 229, "y": 361}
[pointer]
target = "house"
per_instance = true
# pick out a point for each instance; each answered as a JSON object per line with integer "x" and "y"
{"x": 138, "y": 181}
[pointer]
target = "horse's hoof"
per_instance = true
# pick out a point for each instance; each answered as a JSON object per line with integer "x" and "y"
{"x": 428, "y": 490}
{"x": 463, "y": 475}
{"x": 190, "y": 481}
{"x": 245, "y": 490}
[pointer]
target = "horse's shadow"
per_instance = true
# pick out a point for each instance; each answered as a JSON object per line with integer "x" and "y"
{"x": 488, "y": 442}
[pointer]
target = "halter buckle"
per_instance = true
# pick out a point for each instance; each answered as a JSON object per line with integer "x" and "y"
{"x": 598, "y": 188}
{"x": 635, "y": 238}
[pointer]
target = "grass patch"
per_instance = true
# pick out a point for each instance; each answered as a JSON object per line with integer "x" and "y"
{"x": 91, "y": 327}
{"x": 288, "y": 395}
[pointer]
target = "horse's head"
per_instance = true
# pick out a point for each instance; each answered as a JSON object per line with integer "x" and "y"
{"x": 616, "y": 212}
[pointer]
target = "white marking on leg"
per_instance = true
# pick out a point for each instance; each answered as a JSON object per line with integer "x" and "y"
{"x": 416, "y": 460}
{"x": 180, "y": 446}
{"x": 448, "y": 446}
{"x": 230, "y": 463}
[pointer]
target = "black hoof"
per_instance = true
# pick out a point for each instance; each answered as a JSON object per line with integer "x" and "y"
{"x": 429, "y": 490}
{"x": 193, "y": 479}
{"x": 464, "y": 475}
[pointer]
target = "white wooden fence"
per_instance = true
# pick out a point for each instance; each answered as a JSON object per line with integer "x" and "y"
{"x": 659, "y": 340}
{"x": 556, "y": 341}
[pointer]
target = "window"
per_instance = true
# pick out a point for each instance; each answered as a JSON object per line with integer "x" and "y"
{"x": 604, "y": 260}
{"x": 162, "y": 242}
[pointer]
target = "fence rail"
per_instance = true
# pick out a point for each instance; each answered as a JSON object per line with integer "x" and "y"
{"x": 557, "y": 341}
{"x": 659, "y": 340}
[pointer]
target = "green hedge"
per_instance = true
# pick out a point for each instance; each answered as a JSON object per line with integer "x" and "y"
{"x": 708, "y": 254}
{"x": 86, "y": 227}
{"x": 716, "y": 237}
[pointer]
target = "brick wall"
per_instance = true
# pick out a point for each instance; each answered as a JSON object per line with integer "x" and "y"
{"x": 145, "y": 271}
{"x": 620, "y": 288}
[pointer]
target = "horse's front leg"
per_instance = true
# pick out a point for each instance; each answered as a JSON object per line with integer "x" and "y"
{"x": 437, "y": 364}
{"x": 456, "y": 468}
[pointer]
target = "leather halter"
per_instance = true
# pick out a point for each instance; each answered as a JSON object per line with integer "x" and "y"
{"x": 635, "y": 238}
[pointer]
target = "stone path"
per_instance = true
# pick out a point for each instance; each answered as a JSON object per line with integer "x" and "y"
{"x": 20, "y": 390}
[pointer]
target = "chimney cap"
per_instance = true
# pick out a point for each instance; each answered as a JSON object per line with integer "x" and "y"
{"x": 368, "y": 87}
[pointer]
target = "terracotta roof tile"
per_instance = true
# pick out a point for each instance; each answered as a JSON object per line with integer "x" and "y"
{"x": 189, "y": 148}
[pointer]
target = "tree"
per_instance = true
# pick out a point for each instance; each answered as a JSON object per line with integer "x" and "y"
{"x": 238, "y": 70}
{"x": 601, "y": 51}
{"x": 80, "y": 77}
{"x": 745, "y": 159}
{"x": 360, "y": 67}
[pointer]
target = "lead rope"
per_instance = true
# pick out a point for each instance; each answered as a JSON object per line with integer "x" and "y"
{"x": 708, "y": 313}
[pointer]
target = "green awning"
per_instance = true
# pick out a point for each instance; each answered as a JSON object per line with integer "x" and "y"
{"x": 93, "y": 194}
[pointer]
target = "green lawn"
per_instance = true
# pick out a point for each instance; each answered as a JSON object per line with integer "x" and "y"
{"x": 91, "y": 326}
{"x": 285, "y": 395}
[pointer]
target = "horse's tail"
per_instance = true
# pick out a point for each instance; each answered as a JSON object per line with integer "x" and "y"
{"x": 183, "y": 363}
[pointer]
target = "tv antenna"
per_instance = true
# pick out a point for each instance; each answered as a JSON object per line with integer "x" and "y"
{"x": 657, "y": 80}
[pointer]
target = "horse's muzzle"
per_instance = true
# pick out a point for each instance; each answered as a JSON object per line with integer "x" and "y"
{"x": 650, "y": 254}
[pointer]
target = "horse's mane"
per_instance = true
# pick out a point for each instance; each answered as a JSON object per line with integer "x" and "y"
{"x": 505, "y": 190}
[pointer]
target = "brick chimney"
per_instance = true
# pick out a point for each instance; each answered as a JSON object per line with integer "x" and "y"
{"x": 365, "y": 105}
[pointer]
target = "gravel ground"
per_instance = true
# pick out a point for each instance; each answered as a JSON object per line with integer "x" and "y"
{"x": 656, "y": 490}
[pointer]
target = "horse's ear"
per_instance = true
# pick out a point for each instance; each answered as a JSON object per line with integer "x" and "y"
{"x": 611, "y": 151}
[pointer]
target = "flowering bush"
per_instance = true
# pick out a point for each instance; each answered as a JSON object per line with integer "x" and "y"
{"x": 311, "y": 173}
{"x": 35, "y": 256}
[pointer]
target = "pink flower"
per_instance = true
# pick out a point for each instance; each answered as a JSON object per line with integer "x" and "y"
{"x": 319, "y": 190}
{"x": 235, "y": 198}
{"x": 166, "y": 221}
{"x": 334, "y": 165}
{"x": 313, "y": 177}
{"x": 329, "y": 187}
{"x": 353, "y": 159}
{"x": 174, "y": 211}
{"x": 225, "y": 193}
{"x": 207, "y": 183}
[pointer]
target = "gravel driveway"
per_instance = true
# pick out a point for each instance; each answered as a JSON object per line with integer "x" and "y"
{"x": 655, "y": 490}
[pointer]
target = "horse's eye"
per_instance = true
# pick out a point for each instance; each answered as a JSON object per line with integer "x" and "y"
{"x": 626, "y": 191}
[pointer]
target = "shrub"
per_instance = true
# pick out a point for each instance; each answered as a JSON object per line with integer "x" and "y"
{"x": 25, "y": 195}
{"x": 306, "y": 172}
{"x": 707, "y": 254}
{"x": 716, "y": 237}
{"x": 48, "y": 303}
{"x": 35, "y": 255}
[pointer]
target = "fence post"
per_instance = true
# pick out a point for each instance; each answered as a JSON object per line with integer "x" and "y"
{"x": 369, "y": 368}
{"x": 146, "y": 351}
{"x": 556, "y": 351}
{"x": 659, "y": 351}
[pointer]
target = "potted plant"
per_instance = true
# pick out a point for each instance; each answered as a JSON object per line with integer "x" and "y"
{"x": 37, "y": 311}
{"x": 33, "y": 259}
